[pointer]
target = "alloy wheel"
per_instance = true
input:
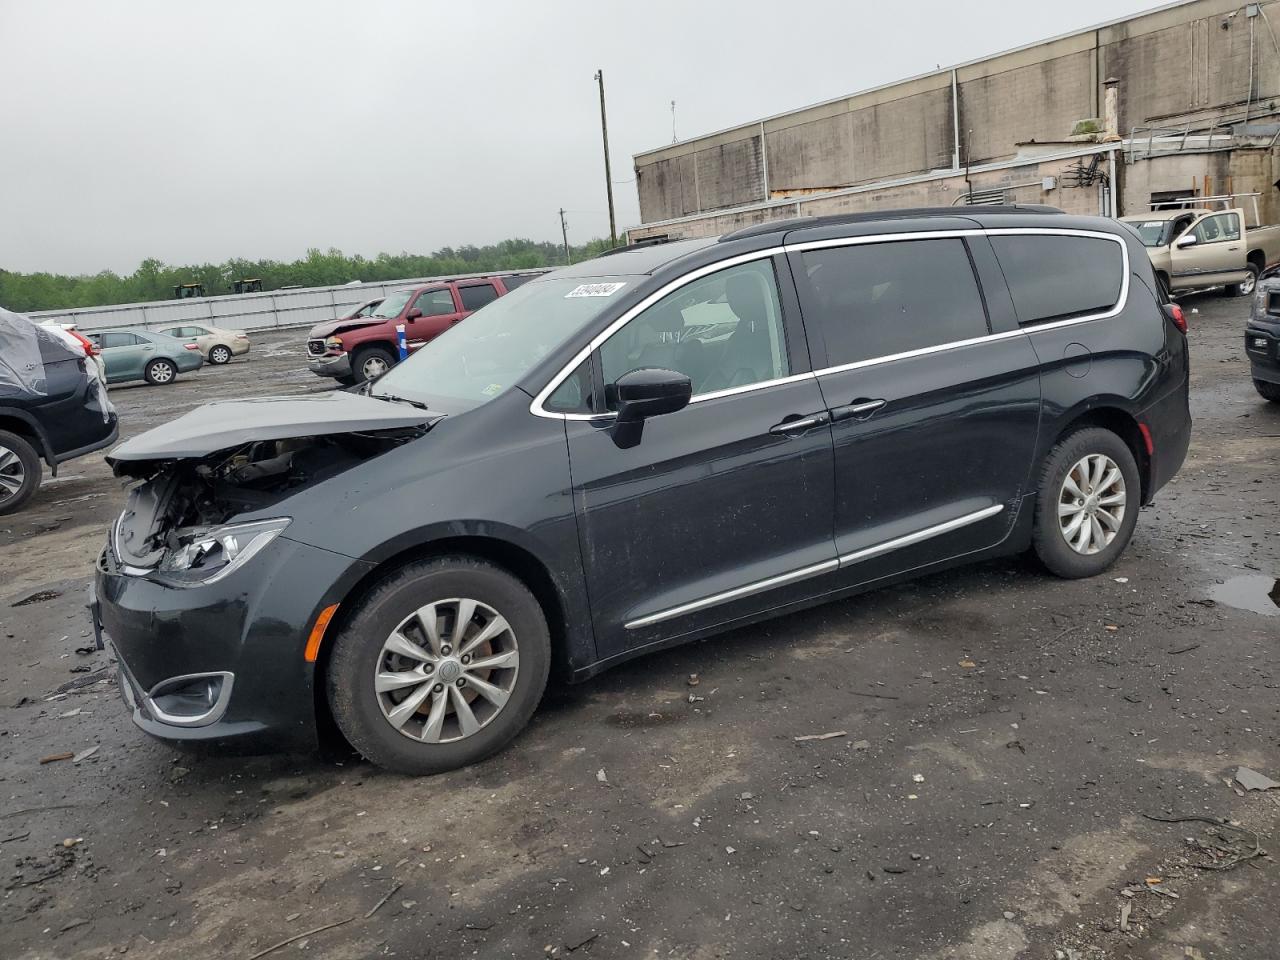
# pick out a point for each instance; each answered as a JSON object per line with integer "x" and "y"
{"x": 12, "y": 474}
{"x": 1091, "y": 503}
{"x": 220, "y": 355}
{"x": 447, "y": 670}
{"x": 374, "y": 367}
{"x": 161, "y": 372}
{"x": 1248, "y": 283}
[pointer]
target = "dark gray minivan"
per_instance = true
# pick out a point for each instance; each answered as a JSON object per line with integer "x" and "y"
{"x": 634, "y": 452}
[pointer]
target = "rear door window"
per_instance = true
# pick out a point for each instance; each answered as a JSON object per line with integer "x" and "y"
{"x": 475, "y": 297}
{"x": 119, "y": 340}
{"x": 875, "y": 300}
{"x": 1060, "y": 277}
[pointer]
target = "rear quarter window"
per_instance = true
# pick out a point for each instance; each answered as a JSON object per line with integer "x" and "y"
{"x": 1060, "y": 277}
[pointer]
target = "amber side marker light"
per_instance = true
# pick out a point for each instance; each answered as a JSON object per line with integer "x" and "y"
{"x": 317, "y": 633}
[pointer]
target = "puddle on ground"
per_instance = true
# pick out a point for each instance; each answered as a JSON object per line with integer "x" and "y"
{"x": 1256, "y": 593}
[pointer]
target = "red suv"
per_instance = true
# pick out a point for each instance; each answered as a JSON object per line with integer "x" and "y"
{"x": 363, "y": 346}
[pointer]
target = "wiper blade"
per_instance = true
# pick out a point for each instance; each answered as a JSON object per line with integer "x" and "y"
{"x": 394, "y": 399}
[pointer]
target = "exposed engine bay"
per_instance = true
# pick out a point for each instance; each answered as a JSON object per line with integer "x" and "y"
{"x": 180, "y": 502}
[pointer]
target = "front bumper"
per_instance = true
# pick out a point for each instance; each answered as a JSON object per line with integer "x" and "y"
{"x": 330, "y": 365}
{"x": 1262, "y": 346}
{"x": 250, "y": 628}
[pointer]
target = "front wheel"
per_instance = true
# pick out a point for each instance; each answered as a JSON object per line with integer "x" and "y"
{"x": 1087, "y": 504}
{"x": 1246, "y": 286}
{"x": 160, "y": 371}
{"x": 371, "y": 363}
{"x": 1268, "y": 391}
{"x": 441, "y": 666}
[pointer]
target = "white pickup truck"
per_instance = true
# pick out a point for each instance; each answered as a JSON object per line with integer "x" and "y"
{"x": 1198, "y": 248}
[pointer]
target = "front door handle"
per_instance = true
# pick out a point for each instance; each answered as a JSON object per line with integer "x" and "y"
{"x": 859, "y": 409}
{"x": 799, "y": 424}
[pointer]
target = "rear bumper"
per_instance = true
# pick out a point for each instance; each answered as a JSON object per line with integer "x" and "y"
{"x": 111, "y": 436}
{"x": 189, "y": 360}
{"x": 1262, "y": 346}
{"x": 1169, "y": 422}
{"x": 330, "y": 365}
{"x": 239, "y": 347}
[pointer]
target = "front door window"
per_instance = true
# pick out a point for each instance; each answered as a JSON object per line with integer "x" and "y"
{"x": 722, "y": 331}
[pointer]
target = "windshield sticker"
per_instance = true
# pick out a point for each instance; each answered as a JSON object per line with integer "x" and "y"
{"x": 595, "y": 290}
{"x": 492, "y": 389}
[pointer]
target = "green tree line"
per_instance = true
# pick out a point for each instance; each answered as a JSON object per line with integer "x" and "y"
{"x": 155, "y": 280}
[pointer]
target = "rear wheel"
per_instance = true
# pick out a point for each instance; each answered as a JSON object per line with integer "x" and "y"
{"x": 220, "y": 354}
{"x": 1246, "y": 286}
{"x": 1268, "y": 391}
{"x": 160, "y": 371}
{"x": 441, "y": 666}
{"x": 371, "y": 363}
{"x": 19, "y": 471}
{"x": 1087, "y": 505}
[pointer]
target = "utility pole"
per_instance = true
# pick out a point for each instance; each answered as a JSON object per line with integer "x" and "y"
{"x": 673, "y": 122}
{"x": 564, "y": 232}
{"x": 608, "y": 176}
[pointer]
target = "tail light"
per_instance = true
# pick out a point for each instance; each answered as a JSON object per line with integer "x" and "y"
{"x": 1174, "y": 313}
{"x": 192, "y": 346}
{"x": 90, "y": 348}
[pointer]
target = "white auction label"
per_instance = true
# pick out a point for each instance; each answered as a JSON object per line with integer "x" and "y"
{"x": 595, "y": 290}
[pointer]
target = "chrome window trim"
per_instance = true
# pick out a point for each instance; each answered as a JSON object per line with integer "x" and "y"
{"x": 813, "y": 570}
{"x": 536, "y": 405}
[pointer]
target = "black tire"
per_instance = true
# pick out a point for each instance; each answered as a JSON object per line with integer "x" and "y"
{"x": 347, "y": 381}
{"x": 1048, "y": 538}
{"x": 1247, "y": 287}
{"x": 219, "y": 354}
{"x": 160, "y": 371}
{"x": 17, "y": 456}
{"x": 370, "y": 356}
{"x": 1268, "y": 391}
{"x": 358, "y": 650}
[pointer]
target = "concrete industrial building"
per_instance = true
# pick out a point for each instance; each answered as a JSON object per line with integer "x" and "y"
{"x": 1194, "y": 95}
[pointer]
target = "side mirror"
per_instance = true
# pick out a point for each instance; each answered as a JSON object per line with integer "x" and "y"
{"x": 644, "y": 393}
{"x": 1186, "y": 241}
{"x": 650, "y": 392}
{"x": 413, "y": 314}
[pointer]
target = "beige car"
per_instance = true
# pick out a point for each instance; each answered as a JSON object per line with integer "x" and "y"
{"x": 218, "y": 346}
{"x": 1199, "y": 248}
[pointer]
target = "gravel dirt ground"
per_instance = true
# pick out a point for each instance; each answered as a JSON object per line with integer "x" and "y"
{"x": 1000, "y": 741}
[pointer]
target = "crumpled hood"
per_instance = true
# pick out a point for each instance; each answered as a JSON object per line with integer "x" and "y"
{"x": 231, "y": 423}
{"x": 321, "y": 330}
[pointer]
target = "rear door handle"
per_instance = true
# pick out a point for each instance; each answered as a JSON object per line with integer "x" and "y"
{"x": 861, "y": 407}
{"x": 799, "y": 424}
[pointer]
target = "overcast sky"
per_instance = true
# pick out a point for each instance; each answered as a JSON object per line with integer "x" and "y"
{"x": 205, "y": 129}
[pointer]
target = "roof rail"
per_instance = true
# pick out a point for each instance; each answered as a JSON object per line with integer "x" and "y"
{"x": 796, "y": 223}
{"x": 636, "y": 244}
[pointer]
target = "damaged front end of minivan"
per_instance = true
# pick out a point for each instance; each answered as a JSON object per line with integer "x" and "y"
{"x": 210, "y": 492}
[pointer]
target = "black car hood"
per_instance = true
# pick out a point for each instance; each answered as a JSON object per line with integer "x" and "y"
{"x": 231, "y": 423}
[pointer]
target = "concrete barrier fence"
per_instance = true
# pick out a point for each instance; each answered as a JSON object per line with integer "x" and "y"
{"x": 278, "y": 310}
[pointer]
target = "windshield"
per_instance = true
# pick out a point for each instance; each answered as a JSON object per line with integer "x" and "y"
{"x": 392, "y": 306}
{"x": 1153, "y": 233}
{"x": 494, "y": 347}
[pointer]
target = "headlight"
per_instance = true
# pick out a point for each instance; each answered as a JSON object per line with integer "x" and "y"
{"x": 333, "y": 343}
{"x": 207, "y": 554}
